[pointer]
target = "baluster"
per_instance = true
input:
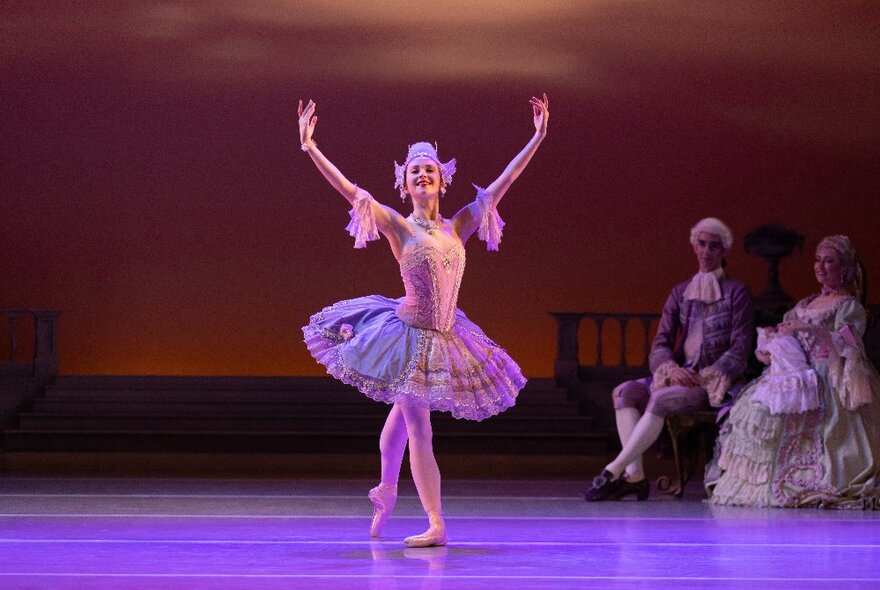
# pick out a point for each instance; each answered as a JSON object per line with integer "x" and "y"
{"x": 45, "y": 357}
{"x": 623, "y": 321}
{"x": 646, "y": 341}
{"x": 600, "y": 320}
{"x": 13, "y": 316}
{"x": 567, "y": 354}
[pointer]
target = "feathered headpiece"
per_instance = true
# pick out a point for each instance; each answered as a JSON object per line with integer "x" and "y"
{"x": 423, "y": 149}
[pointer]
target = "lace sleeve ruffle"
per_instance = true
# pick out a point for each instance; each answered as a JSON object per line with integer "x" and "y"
{"x": 850, "y": 371}
{"x": 491, "y": 224}
{"x": 857, "y": 380}
{"x": 362, "y": 226}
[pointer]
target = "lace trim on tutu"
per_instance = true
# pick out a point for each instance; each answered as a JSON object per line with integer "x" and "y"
{"x": 462, "y": 372}
{"x": 790, "y": 393}
{"x": 491, "y": 224}
{"x": 469, "y": 384}
{"x": 325, "y": 345}
{"x": 362, "y": 226}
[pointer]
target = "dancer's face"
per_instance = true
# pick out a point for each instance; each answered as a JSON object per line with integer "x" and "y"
{"x": 710, "y": 251}
{"x": 422, "y": 177}
{"x": 827, "y": 267}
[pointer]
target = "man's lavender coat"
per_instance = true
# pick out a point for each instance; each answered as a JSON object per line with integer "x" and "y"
{"x": 727, "y": 329}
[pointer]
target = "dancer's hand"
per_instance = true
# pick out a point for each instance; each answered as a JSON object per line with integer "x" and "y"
{"x": 541, "y": 112}
{"x": 307, "y": 122}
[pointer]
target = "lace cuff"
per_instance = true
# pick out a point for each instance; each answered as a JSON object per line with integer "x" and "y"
{"x": 491, "y": 223}
{"x": 662, "y": 375}
{"x": 716, "y": 383}
{"x": 859, "y": 378}
{"x": 854, "y": 377}
{"x": 362, "y": 226}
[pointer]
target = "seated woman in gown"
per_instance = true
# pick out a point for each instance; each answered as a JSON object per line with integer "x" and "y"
{"x": 779, "y": 447}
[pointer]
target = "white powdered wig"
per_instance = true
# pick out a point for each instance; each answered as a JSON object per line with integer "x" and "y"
{"x": 712, "y": 225}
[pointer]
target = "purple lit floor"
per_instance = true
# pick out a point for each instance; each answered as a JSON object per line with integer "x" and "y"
{"x": 198, "y": 533}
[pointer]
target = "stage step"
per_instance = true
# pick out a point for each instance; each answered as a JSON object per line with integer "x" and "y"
{"x": 501, "y": 424}
{"x": 121, "y": 420}
{"x": 354, "y": 404}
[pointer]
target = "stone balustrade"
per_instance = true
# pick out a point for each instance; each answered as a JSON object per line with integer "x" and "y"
{"x": 23, "y": 378}
{"x": 45, "y": 358}
{"x": 605, "y": 330}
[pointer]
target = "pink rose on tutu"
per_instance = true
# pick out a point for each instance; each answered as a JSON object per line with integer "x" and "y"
{"x": 346, "y": 331}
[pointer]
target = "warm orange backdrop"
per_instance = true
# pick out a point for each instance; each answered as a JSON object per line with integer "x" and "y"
{"x": 153, "y": 189}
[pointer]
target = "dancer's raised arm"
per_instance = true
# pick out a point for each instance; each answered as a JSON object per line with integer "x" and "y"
{"x": 368, "y": 215}
{"x": 307, "y": 122}
{"x": 541, "y": 112}
{"x": 482, "y": 215}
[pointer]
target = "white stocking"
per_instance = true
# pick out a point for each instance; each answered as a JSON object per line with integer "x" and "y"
{"x": 627, "y": 418}
{"x": 646, "y": 431}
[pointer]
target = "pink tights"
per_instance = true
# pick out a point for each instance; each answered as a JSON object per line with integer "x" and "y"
{"x": 408, "y": 423}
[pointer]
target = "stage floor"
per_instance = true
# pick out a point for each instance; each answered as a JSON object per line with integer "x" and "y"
{"x": 125, "y": 533}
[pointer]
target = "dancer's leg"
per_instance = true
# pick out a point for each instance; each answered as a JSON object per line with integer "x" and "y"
{"x": 426, "y": 474}
{"x": 392, "y": 444}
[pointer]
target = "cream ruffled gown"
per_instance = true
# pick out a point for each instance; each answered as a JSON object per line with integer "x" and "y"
{"x": 825, "y": 457}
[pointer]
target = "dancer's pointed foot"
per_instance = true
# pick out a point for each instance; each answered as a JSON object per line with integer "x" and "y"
{"x": 383, "y": 497}
{"x": 435, "y": 536}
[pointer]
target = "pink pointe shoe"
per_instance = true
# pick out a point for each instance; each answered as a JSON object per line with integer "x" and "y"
{"x": 383, "y": 497}
{"x": 435, "y": 536}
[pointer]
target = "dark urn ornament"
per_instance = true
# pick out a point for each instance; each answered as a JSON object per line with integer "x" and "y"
{"x": 773, "y": 242}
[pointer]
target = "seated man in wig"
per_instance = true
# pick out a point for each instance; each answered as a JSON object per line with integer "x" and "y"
{"x": 702, "y": 346}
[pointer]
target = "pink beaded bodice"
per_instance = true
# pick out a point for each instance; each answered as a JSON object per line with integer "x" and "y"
{"x": 431, "y": 279}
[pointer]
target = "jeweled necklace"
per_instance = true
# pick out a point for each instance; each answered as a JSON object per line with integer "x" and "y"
{"x": 429, "y": 226}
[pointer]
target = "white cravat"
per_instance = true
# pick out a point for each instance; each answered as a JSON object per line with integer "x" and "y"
{"x": 705, "y": 286}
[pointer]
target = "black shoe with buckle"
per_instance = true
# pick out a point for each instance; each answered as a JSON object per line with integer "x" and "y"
{"x": 640, "y": 489}
{"x": 603, "y": 488}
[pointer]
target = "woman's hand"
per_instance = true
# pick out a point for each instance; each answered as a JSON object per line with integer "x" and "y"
{"x": 824, "y": 344}
{"x": 763, "y": 356}
{"x": 541, "y": 112}
{"x": 789, "y": 327}
{"x": 307, "y": 122}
